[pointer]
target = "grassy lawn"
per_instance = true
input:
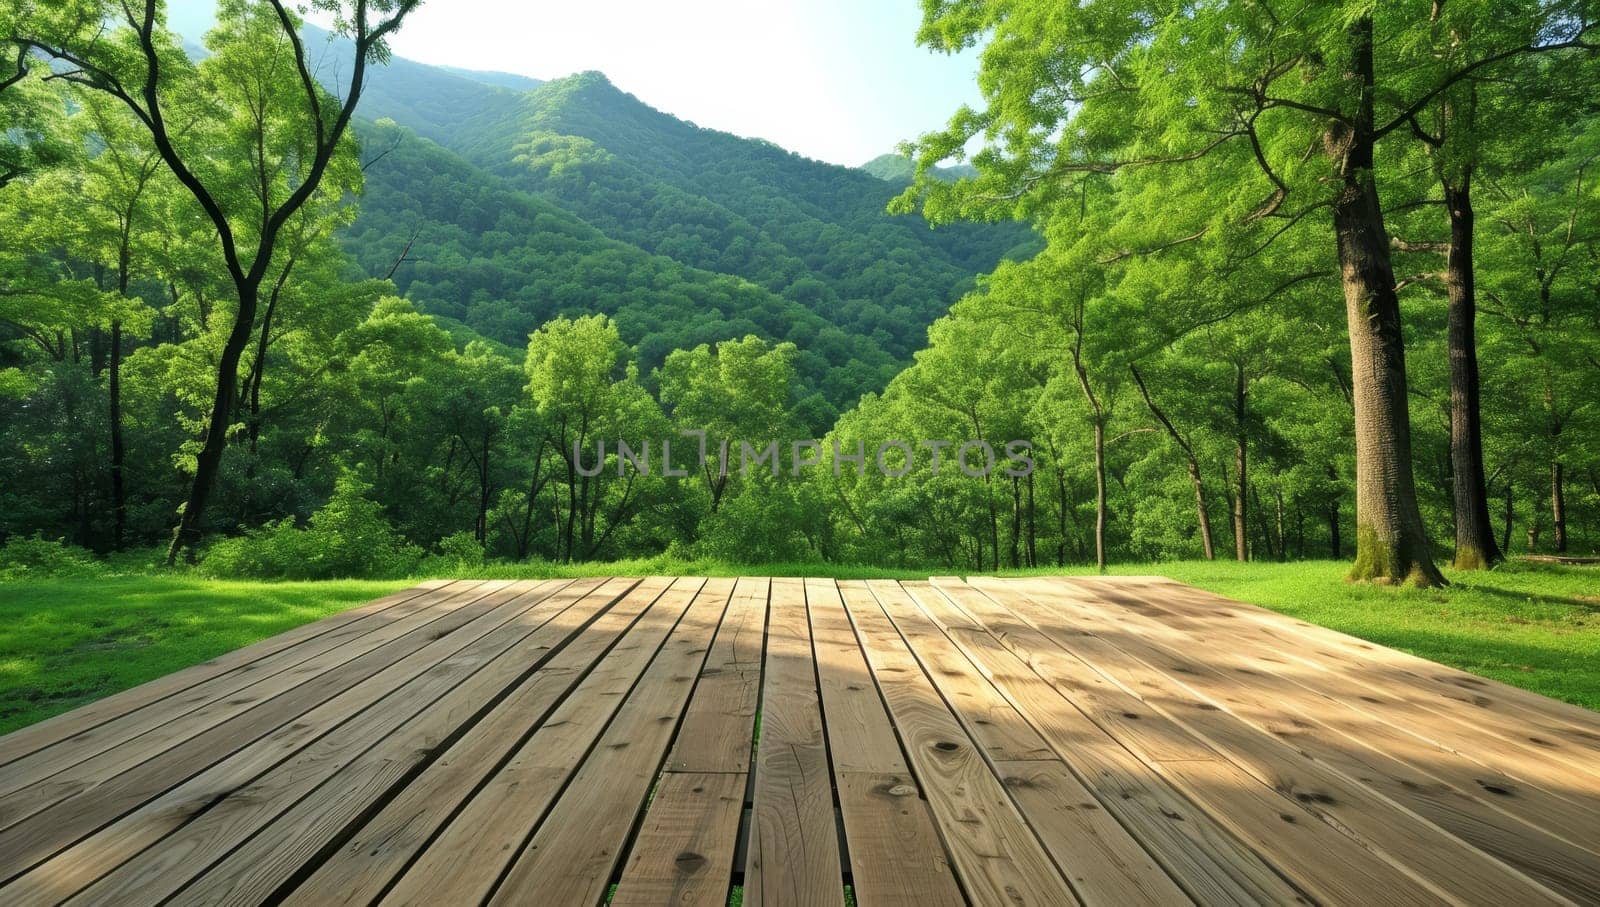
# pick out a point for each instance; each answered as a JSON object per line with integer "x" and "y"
{"x": 65, "y": 642}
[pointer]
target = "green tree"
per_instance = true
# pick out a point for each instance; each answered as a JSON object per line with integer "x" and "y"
{"x": 1238, "y": 95}
{"x": 241, "y": 97}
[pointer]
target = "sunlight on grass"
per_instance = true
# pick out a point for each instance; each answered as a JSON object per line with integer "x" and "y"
{"x": 65, "y": 642}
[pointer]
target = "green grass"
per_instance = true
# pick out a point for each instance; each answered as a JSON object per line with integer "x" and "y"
{"x": 67, "y": 641}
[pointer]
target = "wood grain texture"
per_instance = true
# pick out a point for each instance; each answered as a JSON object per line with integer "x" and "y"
{"x": 895, "y": 853}
{"x": 502, "y": 814}
{"x": 1035, "y": 740}
{"x": 793, "y": 855}
{"x": 236, "y": 802}
{"x": 996, "y": 855}
{"x": 362, "y": 869}
{"x": 1212, "y": 865}
{"x": 1330, "y": 860}
{"x": 721, "y": 718}
{"x": 684, "y": 851}
{"x": 1338, "y": 759}
{"x": 1105, "y": 864}
{"x": 608, "y": 793}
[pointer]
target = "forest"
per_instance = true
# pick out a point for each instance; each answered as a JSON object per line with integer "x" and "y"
{"x": 1256, "y": 284}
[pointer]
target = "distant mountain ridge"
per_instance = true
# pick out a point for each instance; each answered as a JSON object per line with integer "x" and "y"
{"x": 897, "y": 168}
{"x": 522, "y": 200}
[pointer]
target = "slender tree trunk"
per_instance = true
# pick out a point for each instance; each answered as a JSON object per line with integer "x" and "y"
{"x": 481, "y": 525}
{"x": 1475, "y": 544}
{"x": 1061, "y": 517}
{"x": 1016, "y": 522}
{"x": 1100, "y": 494}
{"x": 1202, "y": 512}
{"x": 1335, "y": 543}
{"x": 1510, "y": 517}
{"x": 1241, "y": 459}
{"x": 1283, "y": 539}
{"x": 1391, "y": 543}
{"x": 258, "y": 368}
{"x": 209, "y": 462}
{"x": 119, "y": 499}
{"x": 1033, "y": 527}
{"x": 1558, "y": 507}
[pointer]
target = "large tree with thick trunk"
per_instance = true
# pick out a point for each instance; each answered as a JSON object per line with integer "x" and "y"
{"x": 1263, "y": 118}
{"x": 266, "y": 91}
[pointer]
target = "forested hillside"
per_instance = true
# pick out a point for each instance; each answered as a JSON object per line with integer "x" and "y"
{"x": 814, "y": 235}
{"x": 1236, "y": 308}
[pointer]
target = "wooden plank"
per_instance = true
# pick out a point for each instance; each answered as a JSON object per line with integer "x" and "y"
{"x": 1210, "y": 863}
{"x": 1437, "y": 784}
{"x": 495, "y": 824}
{"x": 272, "y": 859}
{"x": 68, "y": 761}
{"x": 995, "y": 854}
{"x": 361, "y": 870}
{"x": 610, "y": 790}
{"x": 67, "y": 725}
{"x": 1519, "y": 768}
{"x": 684, "y": 852}
{"x": 860, "y": 735}
{"x": 793, "y": 854}
{"x": 1514, "y": 707}
{"x": 895, "y": 853}
{"x": 1105, "y": 864}
{"x": 1327, "y": 861}
{"x": 721, "y": 718}
{"x": 997, "y": 727}
{"x": 1383, "y": 825}
{"x": 127, "y": 777}
{"x": 162, "y": 844}
{"x": 1521, "y": 733}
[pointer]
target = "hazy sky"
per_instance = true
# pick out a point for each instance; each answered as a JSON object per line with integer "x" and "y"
{"x": 839, "y": 80}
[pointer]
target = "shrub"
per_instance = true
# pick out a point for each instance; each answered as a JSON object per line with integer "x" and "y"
{"x": 457, "y": 552}
{"x": 348, "y": 537}
{"x": 36, "y": 556}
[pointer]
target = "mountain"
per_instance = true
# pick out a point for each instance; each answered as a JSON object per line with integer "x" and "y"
{"x": 490, "y": 77}
{"x": 897, "y": 168}
{"x": 475, "y": 250}
{"x": 521, "y": 200}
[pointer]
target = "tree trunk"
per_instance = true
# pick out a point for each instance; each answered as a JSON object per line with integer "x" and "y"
{"x": 1391, "y": 544}
{"x": 1283, "y": 539}
{"x": 1335, "y": 543}
{"x": 1061, "y": 516}
{"x": 1202, "y": 512}
{"x": 1475, "y": 544}
{"x": 1100, "y": 494}
{"x": 1241, "y": 454}
{"x": 258, "y": 368}
{"x": 1016, "y": 522}
{"x": 1558, "y": 508}
{"x": 480, "y": 528}
{"x": 1510, "y": 515}
{"x": 1033, "y": 527}
{"x": 209, "y": 463}
{"x": 119, "y": 500}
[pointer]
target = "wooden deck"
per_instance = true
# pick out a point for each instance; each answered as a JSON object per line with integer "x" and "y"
{"x": 1046, "y": 742}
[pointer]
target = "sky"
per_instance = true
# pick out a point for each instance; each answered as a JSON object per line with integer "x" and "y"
{"x": 838, "y": 80}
